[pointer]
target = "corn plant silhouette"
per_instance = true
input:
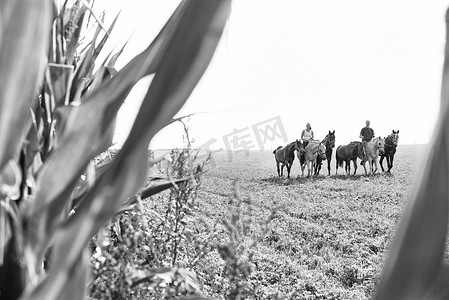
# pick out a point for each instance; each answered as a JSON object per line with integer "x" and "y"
{"x": 415, "y": 268}
{"x": 57, "y": 114}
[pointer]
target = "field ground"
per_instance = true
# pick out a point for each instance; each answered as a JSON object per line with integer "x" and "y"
{"x": 332, "y": 238}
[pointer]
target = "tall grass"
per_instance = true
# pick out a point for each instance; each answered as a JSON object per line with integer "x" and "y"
{"x": 58, "y": 111}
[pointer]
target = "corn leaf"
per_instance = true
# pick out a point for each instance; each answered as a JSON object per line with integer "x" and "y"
{"x": 21, "y": 72}
{"x": 161, "y": 186}
{"x": 73, "y": 291}
{"x": 105, "y": 38}
{"x": 115, "y": 57}
{"x": 83, "y": 70}
{"x": 415, "y": 268}
{"x": 83, "y": 77}
{"x": 180, "y": 71}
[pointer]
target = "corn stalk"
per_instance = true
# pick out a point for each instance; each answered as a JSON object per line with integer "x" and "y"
{"x": 57, "y": 114}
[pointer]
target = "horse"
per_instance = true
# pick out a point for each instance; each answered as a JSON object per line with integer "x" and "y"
{"x": 285, "y": 156}
{"x": 391, "y": 142}
{"x": 373, "y": 149}
{"x": 348, "y": 153}
{"x": 314, "y": 149}
{"x": 329, "y": 142}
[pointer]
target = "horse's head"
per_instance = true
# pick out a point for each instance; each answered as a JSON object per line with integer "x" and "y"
{"x": 394, "y": 138}
{"x": 299, "y": 147}
{"x": 322, "y": 151}
{"x": 330, "y": 141}
{"x": 379, "y": 143}
{"x": 360, "y": 150}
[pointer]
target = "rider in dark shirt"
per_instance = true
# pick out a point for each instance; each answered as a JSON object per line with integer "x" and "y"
{"x": 366, "y": 134}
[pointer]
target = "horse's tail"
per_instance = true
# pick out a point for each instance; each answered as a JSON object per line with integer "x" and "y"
{"x": 339, "y": 161}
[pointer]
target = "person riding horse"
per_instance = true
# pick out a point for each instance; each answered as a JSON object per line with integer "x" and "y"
{"x": 307, "y": 135}
{"x": 366, "y": 134}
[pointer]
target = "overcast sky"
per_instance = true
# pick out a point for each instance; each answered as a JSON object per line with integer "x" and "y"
{"x": 283, "y": 63}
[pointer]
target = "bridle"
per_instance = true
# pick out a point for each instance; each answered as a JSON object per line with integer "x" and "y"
{"x": 391, "y": 137}
{"x": 326, "y": 141}
{"x": 375, "y": 144}
{"x": 319, "y": 151}
{"x": 301, "y": 149}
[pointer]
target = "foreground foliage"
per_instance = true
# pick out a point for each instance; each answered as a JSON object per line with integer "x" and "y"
{"x": 58, "y": 111}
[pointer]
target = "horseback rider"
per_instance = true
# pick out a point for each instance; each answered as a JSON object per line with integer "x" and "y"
{"x": 366, "y": 134}
{"x": 307, "y": 135}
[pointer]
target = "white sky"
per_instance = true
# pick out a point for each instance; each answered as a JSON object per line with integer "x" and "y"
{"x": 333, "y": 63}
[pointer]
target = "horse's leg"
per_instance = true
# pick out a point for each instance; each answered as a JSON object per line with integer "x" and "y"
{"x": 282, "y": 169}
{"x": 317, "y": 165}
{"x": 302, "y": 162}
{"x": 329, "y": 165}
{"x": 380, "y": 162}
{"x": 391, "y": 162}
{"x": 388, "y": 162}
{"x": 364, "y": 167}
{"x": 289, "y": 166}
{"x": 336, "y": 166}
{"x": 355, "y": 166}
{"x": 277, "y": 166}
{"x": 375, "y": 165}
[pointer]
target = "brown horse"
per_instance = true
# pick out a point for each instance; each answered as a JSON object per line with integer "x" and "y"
{"x": 391, "y": 142}
{"x": 329, "y": 142}
{"x": 348, "y": 153}
{"x": 286, "y": 155}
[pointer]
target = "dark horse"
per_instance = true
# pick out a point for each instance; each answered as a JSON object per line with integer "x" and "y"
{"x": 348, "y": 153}
{"x": 286, "y": 155}
{"x": 329, "y": 142}
{"x": 391, "y": 142}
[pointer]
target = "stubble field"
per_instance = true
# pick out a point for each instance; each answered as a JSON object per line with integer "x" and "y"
{"x": 329, "y": 239}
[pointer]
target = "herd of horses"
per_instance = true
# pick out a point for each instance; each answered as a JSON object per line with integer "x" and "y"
{"x": 317, "y": 151}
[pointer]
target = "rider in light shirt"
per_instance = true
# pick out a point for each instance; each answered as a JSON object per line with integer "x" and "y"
{"x": 307, "y": 135}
